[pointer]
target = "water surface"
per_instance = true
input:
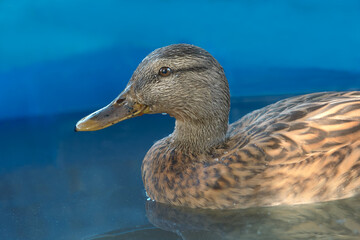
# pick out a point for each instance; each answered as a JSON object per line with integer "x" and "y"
{"x": 58, "y": 184}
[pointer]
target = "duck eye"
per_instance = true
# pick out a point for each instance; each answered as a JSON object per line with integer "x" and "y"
{"x": 165, "y": 71}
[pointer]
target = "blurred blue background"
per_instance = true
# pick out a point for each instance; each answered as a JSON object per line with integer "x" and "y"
{"x": 61, "y": 59}
{"x": 64, "y": 56}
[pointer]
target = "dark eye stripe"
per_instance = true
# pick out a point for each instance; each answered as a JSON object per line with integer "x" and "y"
{"x": 192, "y": 69}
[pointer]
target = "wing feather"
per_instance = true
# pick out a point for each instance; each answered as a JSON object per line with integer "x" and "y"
{"x": 296, "y": 128}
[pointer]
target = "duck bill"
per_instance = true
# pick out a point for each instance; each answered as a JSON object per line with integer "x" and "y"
{"x": 117, "y": 111}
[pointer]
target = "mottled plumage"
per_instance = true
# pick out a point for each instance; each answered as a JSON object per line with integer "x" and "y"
{"x": 299, "y": 150}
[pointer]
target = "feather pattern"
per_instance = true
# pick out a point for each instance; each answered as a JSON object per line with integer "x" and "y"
{"x": 302, "y": 149}
{"x": 299, "y": 150}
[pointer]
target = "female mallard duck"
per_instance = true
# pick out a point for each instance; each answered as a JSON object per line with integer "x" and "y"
{"x": 302, "y": 149}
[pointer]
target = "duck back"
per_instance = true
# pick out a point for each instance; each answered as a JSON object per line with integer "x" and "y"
{"x": 299, "y": 150}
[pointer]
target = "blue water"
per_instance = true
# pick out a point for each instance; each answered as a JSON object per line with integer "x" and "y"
{"x": 58, "y": 184}
{"x": 60, "y": 60}
{"x": 70, "y": 56}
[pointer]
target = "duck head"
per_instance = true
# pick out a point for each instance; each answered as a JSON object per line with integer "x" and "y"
{"x": 181, "y": 80}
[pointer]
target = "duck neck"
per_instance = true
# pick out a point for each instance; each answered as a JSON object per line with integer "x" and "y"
{"x": 199, "y": 136}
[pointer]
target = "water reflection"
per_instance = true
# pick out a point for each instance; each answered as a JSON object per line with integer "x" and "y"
{"x": 331, "y": 220}
{"x": 137, "y": 233}
{"x": 57, "y": 184}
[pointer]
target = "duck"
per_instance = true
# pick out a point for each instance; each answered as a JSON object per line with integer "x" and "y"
{"x": 299, "y": 150}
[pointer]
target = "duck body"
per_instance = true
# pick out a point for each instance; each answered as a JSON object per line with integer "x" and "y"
{"x": 299, "y": 150}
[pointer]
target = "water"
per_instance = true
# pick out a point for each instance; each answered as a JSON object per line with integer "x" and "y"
{"x": 58, "y": 184}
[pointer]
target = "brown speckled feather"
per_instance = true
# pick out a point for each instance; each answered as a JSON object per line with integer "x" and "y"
{"x": 299, "y": 150}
